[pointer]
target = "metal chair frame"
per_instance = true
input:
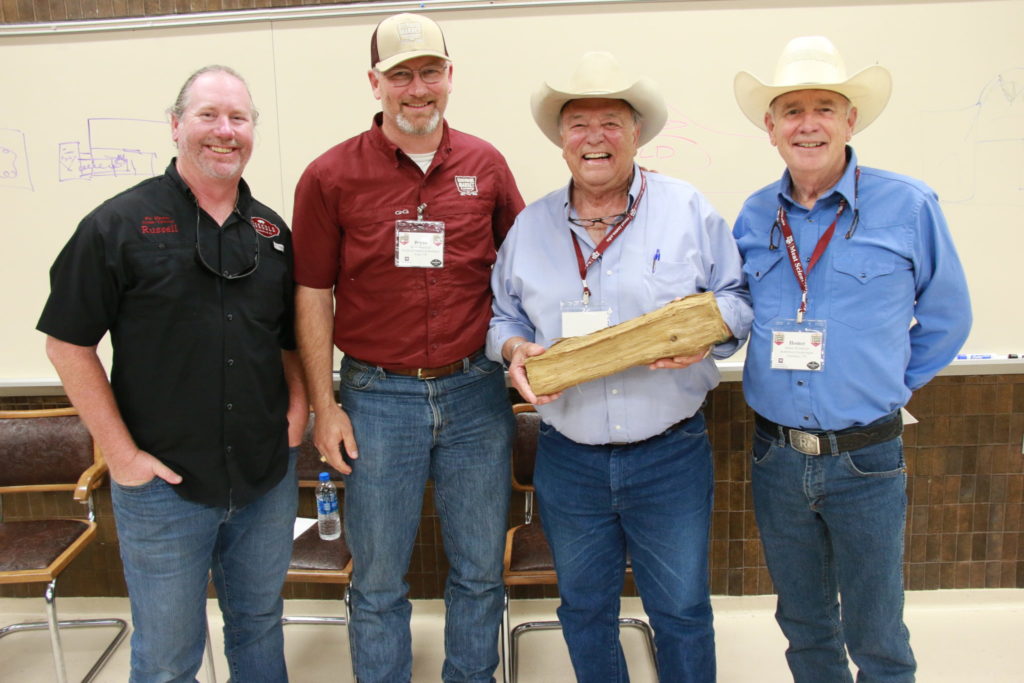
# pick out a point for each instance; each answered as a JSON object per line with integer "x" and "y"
{"x": 83, "y": 488}
{"x": 522, "y": 481}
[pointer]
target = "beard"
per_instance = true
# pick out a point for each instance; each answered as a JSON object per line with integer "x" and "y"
{"x": 426, "y": 128}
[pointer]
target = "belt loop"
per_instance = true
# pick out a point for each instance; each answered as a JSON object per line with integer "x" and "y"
{"x": 465, "y": 364}
{"x": 833, "y": 443}
{"x": 780, "y": 433}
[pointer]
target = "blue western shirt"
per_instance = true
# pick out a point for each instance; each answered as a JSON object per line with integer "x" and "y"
{"x": 893, "y": 297}
{"x": 537, "y": 269}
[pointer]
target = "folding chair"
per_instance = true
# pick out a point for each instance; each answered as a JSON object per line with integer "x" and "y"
{"x": 49, "y": 450}
{"x": 528, "y": 558}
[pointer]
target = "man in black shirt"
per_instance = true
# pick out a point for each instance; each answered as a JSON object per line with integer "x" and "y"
{"x": 192, "y": 277}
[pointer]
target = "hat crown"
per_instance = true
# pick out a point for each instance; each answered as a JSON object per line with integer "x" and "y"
{"x": 405, "y": 36}
{"x": 808, "y": 60}
{"x": 598, "y": 73}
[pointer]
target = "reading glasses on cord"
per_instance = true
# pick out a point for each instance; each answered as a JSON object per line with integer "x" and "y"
{"x": 245, "y": 272}
{"x": 430, "y": 74}
{"x": 776, "y": 228}
{"x": 609, "y": 221}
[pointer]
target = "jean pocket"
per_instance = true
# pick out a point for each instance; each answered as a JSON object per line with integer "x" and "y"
{"x": 137, "y": 488}
{"x": 881, "y": 460}
{"x": 484, "y": 366}
{"x": 762, "y": 448}
{"x": 357, "y": 376}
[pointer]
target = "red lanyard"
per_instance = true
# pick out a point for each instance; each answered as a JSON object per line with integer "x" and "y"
{"x": 608, "y": 239}
{"x": 794, "y": 254}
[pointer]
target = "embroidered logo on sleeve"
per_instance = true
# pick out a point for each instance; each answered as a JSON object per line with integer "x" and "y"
{"x": 265, "y": 227}
{"x": 158, "y": 225}
{"x": 466, "y": 185}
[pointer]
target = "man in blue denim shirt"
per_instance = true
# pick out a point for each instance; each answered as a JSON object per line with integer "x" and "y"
{"x": 623, "y": 462}
{"x": 859, "y": 299}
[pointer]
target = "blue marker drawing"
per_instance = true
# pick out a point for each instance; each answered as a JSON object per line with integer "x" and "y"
{"x": 114, "y": 147}
{"x": 14, "y": 171}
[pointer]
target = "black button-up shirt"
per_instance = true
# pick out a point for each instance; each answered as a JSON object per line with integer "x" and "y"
{"x": 197, "y": 369}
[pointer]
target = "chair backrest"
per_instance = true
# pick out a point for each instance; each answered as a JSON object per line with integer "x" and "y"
{"x": 524, "y": 446}
{"x": 309, "y": 466}
{"x": 44, "y": 450}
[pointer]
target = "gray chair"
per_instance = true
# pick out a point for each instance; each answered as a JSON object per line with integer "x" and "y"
{"x": 49, "y": 450}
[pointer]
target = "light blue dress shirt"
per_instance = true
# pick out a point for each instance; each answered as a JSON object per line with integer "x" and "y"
{"x": 894, "y": 298}
{"x": 537, "y": 270}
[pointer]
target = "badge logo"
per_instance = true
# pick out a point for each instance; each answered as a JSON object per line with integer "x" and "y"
{"x": 778, "y": 338}
{"x": 466, "y": 185}
{"x": 265, "y": 227}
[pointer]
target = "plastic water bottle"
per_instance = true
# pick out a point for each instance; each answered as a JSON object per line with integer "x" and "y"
{"x": 328, "y": 520}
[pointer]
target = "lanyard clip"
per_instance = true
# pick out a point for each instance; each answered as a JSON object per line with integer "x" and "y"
{"x": 419, "y": 211}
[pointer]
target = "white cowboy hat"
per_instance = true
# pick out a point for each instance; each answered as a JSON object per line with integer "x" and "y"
{"x": 813, "y": 63}
{"x": 598, "y": 75}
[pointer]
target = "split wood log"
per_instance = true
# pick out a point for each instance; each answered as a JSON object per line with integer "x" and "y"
{"x": 680, "y": 328}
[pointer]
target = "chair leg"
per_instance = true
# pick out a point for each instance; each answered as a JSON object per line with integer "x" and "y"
{"x": 54, "y": 626}
{"x": 506, "y": 671}
{"x": 326, "y": 621}
{"x": 555, "y": 625}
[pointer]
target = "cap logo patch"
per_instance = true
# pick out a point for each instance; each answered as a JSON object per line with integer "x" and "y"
{"x": 265, "y": 227}
{"x": 410, "y": 32}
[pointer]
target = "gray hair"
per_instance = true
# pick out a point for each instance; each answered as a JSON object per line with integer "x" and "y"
{"x": 181, "y": 103}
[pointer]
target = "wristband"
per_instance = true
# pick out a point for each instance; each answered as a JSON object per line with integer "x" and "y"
{"x": 512, "y": 351}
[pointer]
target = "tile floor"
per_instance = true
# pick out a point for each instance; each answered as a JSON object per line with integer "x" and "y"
{"x": 962, "y": 636}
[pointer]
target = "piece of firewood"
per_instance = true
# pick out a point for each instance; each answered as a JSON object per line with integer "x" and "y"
{"x": 679, "y": 328}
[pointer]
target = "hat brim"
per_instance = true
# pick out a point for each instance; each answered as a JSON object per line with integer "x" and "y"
{"x": 868, "y": 90}
{"x": 643, "y": 96}
{"x": 391, "y": 62}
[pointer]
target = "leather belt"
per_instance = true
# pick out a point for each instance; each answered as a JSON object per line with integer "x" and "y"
{"x": 850, "y": 439}
{"x": 437, "y": 373}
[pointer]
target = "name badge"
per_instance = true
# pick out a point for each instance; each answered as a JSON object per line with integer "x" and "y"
{"x": 798, "y": 346}
{"x": 579, "y": 318}
{"x": 419, "y": 244}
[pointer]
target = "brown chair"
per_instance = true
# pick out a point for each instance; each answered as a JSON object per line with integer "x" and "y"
{"x": 528, "y": 559}
{"x": 315, "y": 560}
{"x": 49, "y": 450}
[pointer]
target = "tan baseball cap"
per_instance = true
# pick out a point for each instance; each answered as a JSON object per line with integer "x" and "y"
{"x": 405, "y": 36}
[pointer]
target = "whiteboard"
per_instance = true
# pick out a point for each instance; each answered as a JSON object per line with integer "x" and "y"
{"x": 82, "y": 116}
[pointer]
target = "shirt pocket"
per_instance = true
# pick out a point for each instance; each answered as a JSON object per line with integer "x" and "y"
{"x": 163, "y": 282}
{"x": 668, "y": 280}
{"x": 765, "y": 272}
{"x": 868, "y": 286}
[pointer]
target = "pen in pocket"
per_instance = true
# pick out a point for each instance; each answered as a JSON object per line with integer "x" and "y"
{"x": 654, "y": 261}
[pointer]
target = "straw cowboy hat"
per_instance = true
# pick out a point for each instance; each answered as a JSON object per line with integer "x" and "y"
{"x": 813, "y": 63}
{"x": 598, "y": 75}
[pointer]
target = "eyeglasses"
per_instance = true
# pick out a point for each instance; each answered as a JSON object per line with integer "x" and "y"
{"x": 227, "y": 275}
{"x": 608, "y": 221}
{"x": 430, "y": 74}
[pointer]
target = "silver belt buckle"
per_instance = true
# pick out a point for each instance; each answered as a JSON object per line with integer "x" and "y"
{"x": 808, "y": 444}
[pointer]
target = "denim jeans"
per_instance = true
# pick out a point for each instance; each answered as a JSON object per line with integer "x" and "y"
{"x": 169, "y": 548}
{"x": 649, "y": 500}
{"x": 832, "y": 529}
{"x": 456, "y": 430}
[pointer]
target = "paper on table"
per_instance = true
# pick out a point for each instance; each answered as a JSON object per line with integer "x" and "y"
{"x": 301, "y": 524}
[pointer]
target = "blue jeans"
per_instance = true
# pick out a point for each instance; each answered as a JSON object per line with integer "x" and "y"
{"x": 170, "y": 546}
{"x": 649, "y": 500}
{"x": 832, "y": 528}
{"x": 456, "y": 430}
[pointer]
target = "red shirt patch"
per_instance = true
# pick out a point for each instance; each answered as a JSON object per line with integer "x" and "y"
{"x": 265, "y": 227}
{"x": 156, "y": 225}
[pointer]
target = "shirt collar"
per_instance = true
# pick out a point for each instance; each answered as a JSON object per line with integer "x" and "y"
{"x": 394, "y": 152}
{"x": 634, "y": 190}
{"x": 844, "y": 188}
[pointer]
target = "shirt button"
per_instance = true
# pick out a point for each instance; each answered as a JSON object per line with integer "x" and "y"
{"x": 230, "y": 316}
{"x": 615, "y": 391}
{"x": 433, "y": 280}
{"x": 229, "y": 406}
{"x": 609, "y": 272}
{"x": 224, "y": 272}
{"x": 231, "y": 361}
{"x": 807, "y": 418}
{"x": 618, "y": 427}
{"x": 433, "y": 314}
{"x": 800, "y": 383}
{"x": 228, "y": 449}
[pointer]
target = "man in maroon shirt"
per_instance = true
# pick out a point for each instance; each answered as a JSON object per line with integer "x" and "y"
{"x": 395, "y": 232}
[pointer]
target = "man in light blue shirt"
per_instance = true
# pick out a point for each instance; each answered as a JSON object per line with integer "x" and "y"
{"x": 859, "y": 299}
{"x": 623, "y": 462}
